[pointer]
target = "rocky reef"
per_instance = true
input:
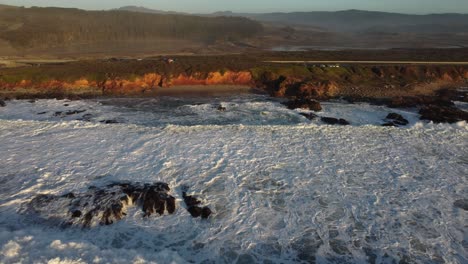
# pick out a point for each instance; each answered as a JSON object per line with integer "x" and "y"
{"x": 108, "y": 204}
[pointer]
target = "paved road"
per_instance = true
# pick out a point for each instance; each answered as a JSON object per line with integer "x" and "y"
{"x": 378, "y": 62}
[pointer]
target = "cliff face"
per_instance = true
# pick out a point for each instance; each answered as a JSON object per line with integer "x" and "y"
{"x": 149, "y": 82}
{"x": 319, "y": 82}
{"x": 364, "y": 81}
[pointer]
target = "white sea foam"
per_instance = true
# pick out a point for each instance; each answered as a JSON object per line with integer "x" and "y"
{"x": 283, "y": 189}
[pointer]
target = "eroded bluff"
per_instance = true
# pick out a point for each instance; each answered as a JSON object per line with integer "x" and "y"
{"x": 106, "y": 205}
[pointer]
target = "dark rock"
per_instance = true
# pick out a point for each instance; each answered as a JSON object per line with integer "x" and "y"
{"x": 74, "y": 112}
{"x": 221, "y": 108}
{"x": 2, "y": 103}
{"x": 405, "y": 102}
{"x": 206, "y": 212}
{"x": 304, "y": 103}
{"x": 58, "y": 113}
{"x": 462, "y": 204}
{"x": 453, "y": 95}
{"x": 86, "y": 117}
{"x": 397, "y": 119}
{"x": 76, "y": 213}
{"x": 190, "y": 200}
{"x": 69, "y": 195}
{"x": 42, "y": 113}
{"x": 32, "y": 101}
{"x": 66, "y": 105}
{"x": 195, "y": 211}
{"x": 102, "y": 205}
{"x": 110, "y": 121}
{"x": 309, "y": 116}
{"x": 443, "y": 114}
{"x": 334, "y": 121}
{"x": 193, "y": 208}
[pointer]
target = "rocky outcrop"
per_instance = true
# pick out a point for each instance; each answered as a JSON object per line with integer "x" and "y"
{"x": 106, "y": 205}
{"x": 194, "y": 208}
{"x": 2, "y": 103}
{"x": 442, "y": 114}
{"x": 334, "y": 121}
{"x": 361, "y": 82}
{"x": 394, "y": 119}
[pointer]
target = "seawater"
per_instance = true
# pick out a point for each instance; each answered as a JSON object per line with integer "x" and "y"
{"x": 283, "y": 189}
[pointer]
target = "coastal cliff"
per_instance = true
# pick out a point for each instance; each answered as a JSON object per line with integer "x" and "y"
{"x": 320, "y": 82}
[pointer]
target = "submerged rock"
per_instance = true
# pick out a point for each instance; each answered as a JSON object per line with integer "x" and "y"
{"x": 2, "y": 103}
{"x": 462, "y": 204}
{"x": 68, "y": 113}
{"x": 442, "y": 114}
{"x": 102, "y": 205}
{"x": 86, "y": 117}
{"x": 109, "y": 121}
{"x": 304, "y": 103}
{"x": 334, "y": 121}
{"x": 74, "y": 112}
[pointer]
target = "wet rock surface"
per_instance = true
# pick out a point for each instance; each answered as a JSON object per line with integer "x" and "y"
{"x": 442, "y": 114}
{"x": 2, "y": 103}
{"x": 221, "y": 108}
{"x": 334, "y": 121}
{"x": 107, "y": 205}
{"x": 304, "y": 103}
{"x": 394, "y": 119}
{"x": 110, "y": 121}
{"x": 193, "y": 205}
{"x": 310, "y": 116}
{"x": 68, "y": 113}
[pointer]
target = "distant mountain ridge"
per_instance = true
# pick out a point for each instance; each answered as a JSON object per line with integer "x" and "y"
{"x": 358, "y": 20}
{"x": 142, "y": 9}
{"x": 354, "y": 20}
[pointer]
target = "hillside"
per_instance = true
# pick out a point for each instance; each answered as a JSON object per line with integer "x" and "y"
{"x": 357, "y": 20}
{"x": 35, "y": 28}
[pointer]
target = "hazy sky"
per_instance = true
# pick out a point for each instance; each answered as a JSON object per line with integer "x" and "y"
{"x": 199, "y": 6}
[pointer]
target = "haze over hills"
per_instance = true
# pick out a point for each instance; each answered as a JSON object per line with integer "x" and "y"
{"x": 134, "y": 30}
{"x": 65, "y": 28}
{"x": 355, "y": 20}
{"x": 147, "y": 10}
